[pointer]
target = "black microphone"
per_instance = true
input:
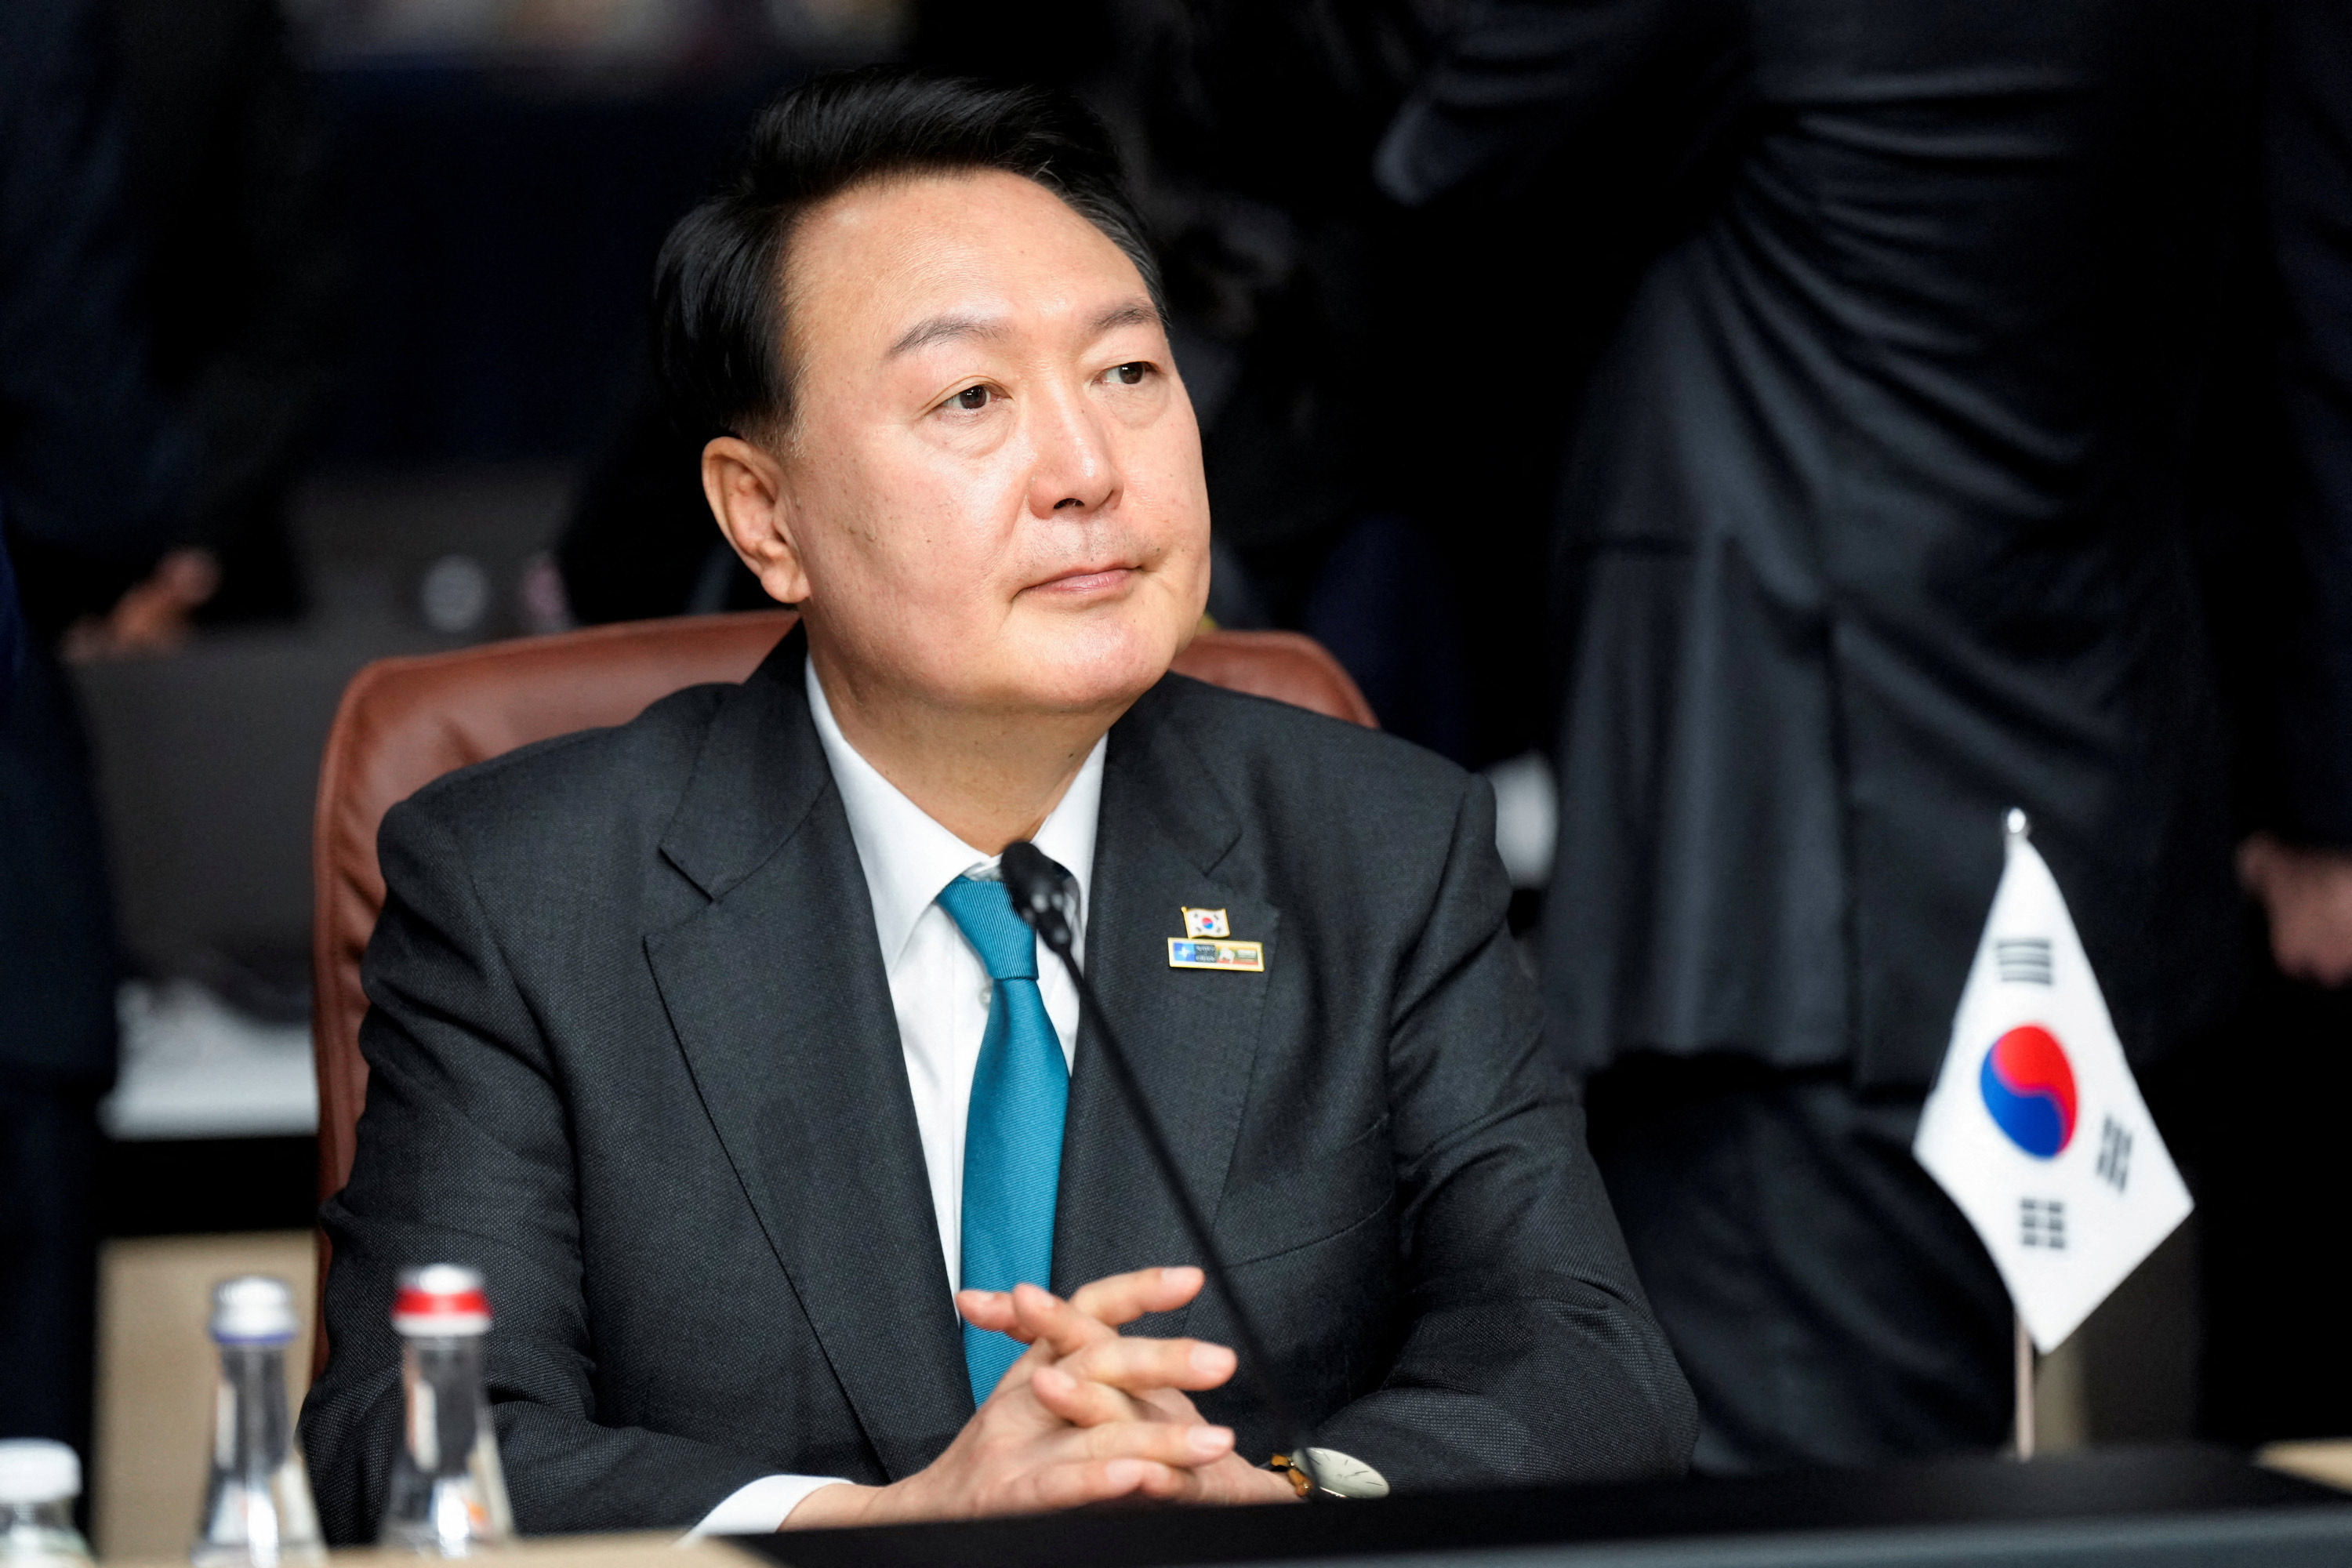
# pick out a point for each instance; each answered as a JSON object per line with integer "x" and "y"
{"x": 1045, "y": 895}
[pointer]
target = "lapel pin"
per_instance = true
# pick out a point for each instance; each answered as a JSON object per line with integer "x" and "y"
{"x": 1205, "y": 923}
{"x": 1241, "y": 957}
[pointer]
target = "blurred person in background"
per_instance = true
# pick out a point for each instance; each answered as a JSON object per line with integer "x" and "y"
{"x": 90, "y": 493}
{"x": 241, "y": 292}
{"x": 2276, "y": 1088}
{"x": 1869, "y": 532}
{"x": 2301, "y": 870}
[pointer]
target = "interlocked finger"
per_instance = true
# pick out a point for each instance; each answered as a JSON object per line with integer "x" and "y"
{"x": 1120, "y": 1298}
{"x": 1042, "y": 1318}
{"x": 1082, "y": 1402}
{"x": 1180, "y": 1445}
{"x": 1073, "y": 1485}
{"x": 1138, "y": 1365}
{"x": 993, "y": 1310}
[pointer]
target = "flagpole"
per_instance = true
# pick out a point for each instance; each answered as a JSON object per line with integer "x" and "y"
{"x": 2020, "y": 827}
{"x": 2024, "y": 1441}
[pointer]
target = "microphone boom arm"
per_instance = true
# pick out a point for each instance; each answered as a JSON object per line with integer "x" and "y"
{"x": 1040, "y": 889}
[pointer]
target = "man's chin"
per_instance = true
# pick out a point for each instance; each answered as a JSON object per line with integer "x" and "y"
{"x": 1089, "y": 669}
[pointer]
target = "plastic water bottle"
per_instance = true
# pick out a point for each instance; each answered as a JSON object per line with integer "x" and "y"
{"x": 448, "y": 1495}
{"x": 257, "y": 1507}
{"x": 38, "y": 1482}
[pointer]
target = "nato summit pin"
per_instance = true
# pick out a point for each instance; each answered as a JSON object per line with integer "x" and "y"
{"x": 1205, "y": 923}
{"x": 1241, "y": 957}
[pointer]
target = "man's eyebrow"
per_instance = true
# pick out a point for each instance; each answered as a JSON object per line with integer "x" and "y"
{"x": 939, "y": 329}
{"x": 1134, "y": 313}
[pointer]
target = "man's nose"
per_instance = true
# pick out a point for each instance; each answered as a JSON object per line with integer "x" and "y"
{"x": 1076, "y": 470}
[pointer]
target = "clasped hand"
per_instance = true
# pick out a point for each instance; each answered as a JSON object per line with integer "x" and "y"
{"x": 1086, "y": 1416}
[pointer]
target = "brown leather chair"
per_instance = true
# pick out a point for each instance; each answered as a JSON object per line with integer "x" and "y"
{"x": 403, "y": 722}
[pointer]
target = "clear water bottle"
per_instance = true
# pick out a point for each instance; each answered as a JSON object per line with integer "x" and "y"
{"x": 38, "y": 1482}
{"x": 257, "y": 1507}
{"x": 448, "y": 1495}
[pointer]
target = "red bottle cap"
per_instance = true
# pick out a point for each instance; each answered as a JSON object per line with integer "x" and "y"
{"x": 441, "y": 1299}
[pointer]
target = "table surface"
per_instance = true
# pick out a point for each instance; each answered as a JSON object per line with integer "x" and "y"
{"x": 2175, "y": 1492}
{"x": 652, "y": 1549}
{"x": 2113, "y": 1490}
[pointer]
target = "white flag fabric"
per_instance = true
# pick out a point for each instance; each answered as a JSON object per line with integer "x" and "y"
{"x": 2035, "y": 1126}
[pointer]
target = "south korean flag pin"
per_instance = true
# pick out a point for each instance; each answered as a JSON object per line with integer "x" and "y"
{"x": 1207, "y": 944}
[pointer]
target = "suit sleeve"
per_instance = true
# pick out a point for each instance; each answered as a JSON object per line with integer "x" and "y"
{"x": 465, "y": 1156}
{"x": 1532, "y": 1355}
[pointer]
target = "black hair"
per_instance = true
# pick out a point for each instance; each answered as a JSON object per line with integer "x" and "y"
{"x": 719, "y": 327}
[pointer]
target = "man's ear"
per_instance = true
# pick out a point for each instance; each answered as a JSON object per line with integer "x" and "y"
{"x": 745, "y": 486}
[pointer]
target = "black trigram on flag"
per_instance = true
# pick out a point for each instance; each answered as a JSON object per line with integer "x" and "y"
{"x": 2115, "y": 1153}
{"x": 2025, "y": 961}
{"x": 2041, "y": 1222}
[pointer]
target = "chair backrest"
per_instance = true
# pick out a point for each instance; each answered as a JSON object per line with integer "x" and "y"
{"x": 403, "y": 722}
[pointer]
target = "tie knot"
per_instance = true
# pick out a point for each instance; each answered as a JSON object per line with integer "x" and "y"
{"x": 983, "y": 912}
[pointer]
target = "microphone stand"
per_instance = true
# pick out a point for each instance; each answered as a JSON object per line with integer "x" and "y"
{"x": 1040, "y": 888}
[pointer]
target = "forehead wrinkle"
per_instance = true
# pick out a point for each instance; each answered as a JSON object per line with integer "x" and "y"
{"x": 948, "y": 327}
{"x": 944, "y": 329}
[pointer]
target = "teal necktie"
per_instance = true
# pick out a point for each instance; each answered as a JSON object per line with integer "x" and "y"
{"x": 1013, "y": 1130}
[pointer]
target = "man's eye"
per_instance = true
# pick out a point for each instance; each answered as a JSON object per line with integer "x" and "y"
{"x": 971, "y": 398}
{"x": 1130, "y": 373}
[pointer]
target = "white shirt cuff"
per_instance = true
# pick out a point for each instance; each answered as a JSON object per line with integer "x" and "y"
{"x": 760, "y": 1507}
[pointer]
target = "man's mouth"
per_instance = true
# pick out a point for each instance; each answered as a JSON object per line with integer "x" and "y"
{"x": 1088, "y": 580}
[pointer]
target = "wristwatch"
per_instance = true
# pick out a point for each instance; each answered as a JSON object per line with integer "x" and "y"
{"x": 1336, "y": 1476}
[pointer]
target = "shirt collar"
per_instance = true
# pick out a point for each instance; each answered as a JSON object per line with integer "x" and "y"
{"x": 907, "y": 857}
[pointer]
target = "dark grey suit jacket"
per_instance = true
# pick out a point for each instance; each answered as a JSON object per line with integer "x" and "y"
{"x": 634, "y": 1056}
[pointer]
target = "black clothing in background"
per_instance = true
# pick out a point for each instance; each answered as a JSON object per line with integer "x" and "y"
{"x": 49, "y": 1273}
{"x": 90, "y": 471}
{"x": 2272, "y": 1102}
{"x": 89, "y": 474}
{"x": 1871, "y": 527}
{"x": 90, "y": 467}
{"x": 243, "y": 287}
{"x": 1380, "y": 409}
{"x": 641, "y": 541}
{"x": 1820, "y": 1288}
{"x": 2274, "y": 1087}
{"x": 2307, "y": 183}
{"x": 633, "y": 1053}
{"x": 12, "y": 628}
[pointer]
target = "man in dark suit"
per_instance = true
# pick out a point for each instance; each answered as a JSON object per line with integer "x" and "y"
{"x": 714, "y": 1042}
{"x": 1869, "y": 532}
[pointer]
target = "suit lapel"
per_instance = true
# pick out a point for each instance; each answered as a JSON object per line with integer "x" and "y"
{"x": 1192, "y": 1035}
{"x": 778, "y": 995}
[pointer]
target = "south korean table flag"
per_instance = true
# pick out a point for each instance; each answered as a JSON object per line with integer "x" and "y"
{"x": 2035, "y": 1127}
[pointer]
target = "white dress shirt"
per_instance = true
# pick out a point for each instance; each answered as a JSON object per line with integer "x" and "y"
{"x": 940, "y": 990}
